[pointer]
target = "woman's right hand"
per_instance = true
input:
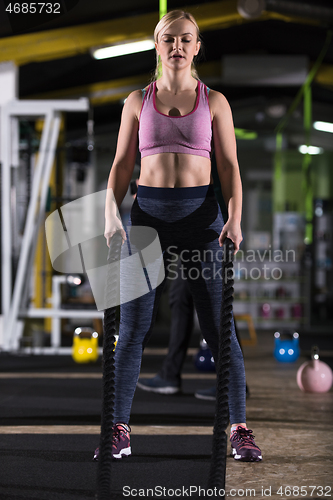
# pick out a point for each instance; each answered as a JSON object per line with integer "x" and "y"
{"x": 113, "y": 226}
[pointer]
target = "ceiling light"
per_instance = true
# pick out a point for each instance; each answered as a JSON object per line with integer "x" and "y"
{"x": 323, "y": 126}
{"x": 312, "y": 150}
{"x": 276, "y": 110}
{"x": 123, "y": 49}
{"x": 250, "y": 9}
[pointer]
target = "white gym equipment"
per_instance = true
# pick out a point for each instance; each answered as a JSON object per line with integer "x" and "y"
{"x": 12, "y": 292}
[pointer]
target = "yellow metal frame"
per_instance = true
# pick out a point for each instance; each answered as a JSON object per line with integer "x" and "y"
{"x": 75, "y": 40}
{"x": 43, "y": 270}
{"x": 252, "y": 341}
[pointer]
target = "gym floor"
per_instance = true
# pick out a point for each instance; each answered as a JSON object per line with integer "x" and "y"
{"x": 50, "y": 418}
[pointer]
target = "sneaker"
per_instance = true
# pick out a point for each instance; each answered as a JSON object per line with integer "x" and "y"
{"x": 207, "y": 394}
{"x": 210, "y": 394}
{"x": 159, "y": 385}
{"x": 120, "y": 442}
{"x": 243, "y": 446}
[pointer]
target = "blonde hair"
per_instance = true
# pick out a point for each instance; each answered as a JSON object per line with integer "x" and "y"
{"x": 164, "y": 23}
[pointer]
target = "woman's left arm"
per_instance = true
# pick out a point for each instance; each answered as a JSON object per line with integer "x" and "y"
{"x": 227, "y": 166}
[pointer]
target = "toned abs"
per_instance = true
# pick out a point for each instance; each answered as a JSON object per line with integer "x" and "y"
{"x": 174, "y": 169}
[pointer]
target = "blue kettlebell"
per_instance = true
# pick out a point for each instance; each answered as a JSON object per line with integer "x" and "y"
{"x": 203, "y": 360}
{"x": 286, "y": 350}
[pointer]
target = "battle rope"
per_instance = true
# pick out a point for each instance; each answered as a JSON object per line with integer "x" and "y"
{"x": 105, "y": 446}
{"x": 218, "y": 461}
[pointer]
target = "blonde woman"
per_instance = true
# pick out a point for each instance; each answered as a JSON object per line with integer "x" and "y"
{"x": 176, "y": 121}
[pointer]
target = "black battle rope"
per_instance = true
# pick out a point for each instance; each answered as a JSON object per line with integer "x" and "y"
{"x": 105, "y": 446}
{"x": 218, "y": 461}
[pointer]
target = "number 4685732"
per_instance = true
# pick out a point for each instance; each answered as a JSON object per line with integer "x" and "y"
{"x": 303, "y": 491}
{"x": 33, "y": 8}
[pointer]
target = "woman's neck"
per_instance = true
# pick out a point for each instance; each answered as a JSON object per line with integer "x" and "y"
{"x": 176, "y": 83}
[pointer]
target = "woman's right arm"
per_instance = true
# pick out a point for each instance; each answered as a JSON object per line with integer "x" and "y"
{"x": 123, "y": 164}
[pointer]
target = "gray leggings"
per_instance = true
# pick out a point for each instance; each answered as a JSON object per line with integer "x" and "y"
{"x": 188, "y": 222}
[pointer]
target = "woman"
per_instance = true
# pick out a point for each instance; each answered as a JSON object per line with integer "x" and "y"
{"x": 175, "y": 127}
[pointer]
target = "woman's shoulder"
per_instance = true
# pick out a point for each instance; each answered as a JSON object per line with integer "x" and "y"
{"x": 134, "y": 100}
{"x": 218, "y": 102}
{"x": 134, "y": 96}
{"x": 218, "y": 97}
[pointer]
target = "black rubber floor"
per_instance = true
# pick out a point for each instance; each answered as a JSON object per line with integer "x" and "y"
{"x": 60, "y": 467}
{"x": 44, "y": 466}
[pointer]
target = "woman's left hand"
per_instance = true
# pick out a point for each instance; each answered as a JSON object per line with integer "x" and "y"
{"x": 232, "y": 230}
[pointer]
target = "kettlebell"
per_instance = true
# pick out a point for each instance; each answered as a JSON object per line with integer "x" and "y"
{"x": 314, "y": 375}
{"x": 286, "y": 350}
{"x": 204, "y": 360}
{"x": 85, "y": 345}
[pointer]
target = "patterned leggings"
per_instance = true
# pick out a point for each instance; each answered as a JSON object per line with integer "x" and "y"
{"x": 188, "y": 221}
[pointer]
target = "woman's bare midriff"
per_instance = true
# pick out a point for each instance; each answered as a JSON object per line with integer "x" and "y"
{"x": 172, "y": 170}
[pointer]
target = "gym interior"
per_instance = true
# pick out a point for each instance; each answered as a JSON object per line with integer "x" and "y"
{"x": 60, "y": 111}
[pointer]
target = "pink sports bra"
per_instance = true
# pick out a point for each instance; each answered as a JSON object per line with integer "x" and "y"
{"x": 190, "y": 133}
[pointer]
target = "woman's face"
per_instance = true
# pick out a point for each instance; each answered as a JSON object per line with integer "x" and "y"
{"x": 177, "y": 45}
